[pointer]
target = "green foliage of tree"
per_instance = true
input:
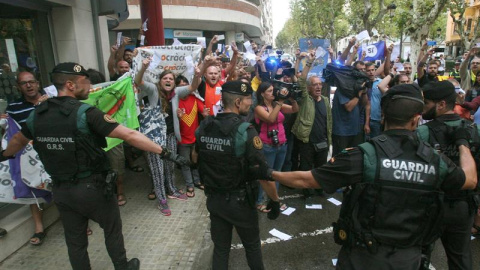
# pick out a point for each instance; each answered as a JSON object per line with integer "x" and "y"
{"x": 467, "y": 34}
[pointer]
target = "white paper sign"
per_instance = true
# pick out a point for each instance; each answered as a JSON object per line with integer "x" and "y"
{"x": 190, "y": 65}
{"x": 202, "y": 42}
{"x": 313, "y": 206}
{"x": 176, "y": 42}
{"x": 363, "y": 35}
{"x": 51, "y": 91}
{"x": 395, "y": 52}
{"x": 320, "y": 52}
{"x": 248, "y": 47}
{"x": 289, "y": 211}
{"x": 119, "y": 39}
{"x": 335, "y": 201}
{"x": 279, "y": 234}
{"x": 220, "y": 37}
{"x": 398, "y": 67}
{"x": 144, "y": 25}
{"x": 219, "y": 47}
{"x": 142, "y": 40}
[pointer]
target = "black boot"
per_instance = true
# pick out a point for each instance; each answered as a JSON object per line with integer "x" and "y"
{"x": 133, "y": 264}
{"x": 3, "y": 232}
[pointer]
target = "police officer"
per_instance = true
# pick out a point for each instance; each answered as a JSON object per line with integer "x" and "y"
{"x": 393, "y": 207}
{"x": 227, "y": 148}
{"x": 459, "y": 205}
{"x": 68, "y": 136}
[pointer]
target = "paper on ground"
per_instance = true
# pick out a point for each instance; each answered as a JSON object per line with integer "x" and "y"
{"x": 362, "y": 35}
{"x": 289, "y": 211}
{"x": 335, "y": 201}
{"x": 313, "y": 206}
{"x": 334, "y": 261}
{"x": 279, "y": 234}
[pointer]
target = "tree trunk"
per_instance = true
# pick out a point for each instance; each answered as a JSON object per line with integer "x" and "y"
{"x": 417, "y": 39}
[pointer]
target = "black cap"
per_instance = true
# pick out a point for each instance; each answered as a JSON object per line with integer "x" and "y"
{"x": 404, "y": 91}
{"x": 70, "y": 68}
{"x": 438, "y": 90}
{"x": 237, "y": 88}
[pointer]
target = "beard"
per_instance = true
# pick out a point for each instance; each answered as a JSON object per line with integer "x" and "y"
{"x": 430, "y": 114}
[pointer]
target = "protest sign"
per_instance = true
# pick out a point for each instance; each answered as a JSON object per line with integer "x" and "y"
{"x": 166, "y": 58}
{"x": 375, "y": 51}
{"x": 116, "y": 99}
{"x": 320, "y": 46}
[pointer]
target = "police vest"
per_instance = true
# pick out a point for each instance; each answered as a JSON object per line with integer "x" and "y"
{"x": 399, "y": 203}
{"x": 437, "y": 133}
{"x": 64, "y": 143}
{"x": 221, "y": 156}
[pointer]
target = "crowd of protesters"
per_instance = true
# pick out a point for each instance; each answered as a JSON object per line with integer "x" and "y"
{"x": 298, "y": 131}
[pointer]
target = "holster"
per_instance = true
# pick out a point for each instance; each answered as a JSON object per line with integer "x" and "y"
{"x": 342, "y": 233}
{"x": 251, "y": 194}
{"x": 110, "y": 184}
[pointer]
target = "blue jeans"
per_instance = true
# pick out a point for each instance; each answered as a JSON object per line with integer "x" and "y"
{"x": 275, "y": 156}
{"x": 375, "y": 128}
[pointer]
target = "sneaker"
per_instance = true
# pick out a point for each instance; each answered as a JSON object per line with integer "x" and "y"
{"x": 133, "y": 264}
{"x": 177, "y": 195}
{"x": 164, "y": 209}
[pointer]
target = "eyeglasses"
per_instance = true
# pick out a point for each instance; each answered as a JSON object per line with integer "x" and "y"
{"x": 22, "y": 83}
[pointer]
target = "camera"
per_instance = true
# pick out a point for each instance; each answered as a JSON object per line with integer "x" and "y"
{"x": 273, "y": 62}
{"x": 274, "y": 135}
{"x": 292, "y": 88}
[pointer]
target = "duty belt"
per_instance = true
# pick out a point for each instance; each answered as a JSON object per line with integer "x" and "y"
{"x": 92, "y": 178}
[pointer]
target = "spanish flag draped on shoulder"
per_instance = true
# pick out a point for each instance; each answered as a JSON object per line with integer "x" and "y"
{"x": 116, "y": 99}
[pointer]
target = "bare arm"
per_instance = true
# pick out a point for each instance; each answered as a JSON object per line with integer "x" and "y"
{"x": 231, "y": 66}
{"x": 121, "y": 49}
{"x": 210, "y": 45}
{"x": 268, "y": 117}
{"x": 111, "y": 61}
{"x": 383, "y": 85}
{"x": 297, "y": 60}
{"x": 366, "y": 127}
{"x": 139, "y": 76}
{"x": 468, "y": 166}
{"x": 136, "y": 139}
{"x": 296, "y": 179}
{"x": 270, "y": 189}
{"x": 290, "y": 108}
{"x": 351, "y": 57}
{"x": 308, "y": 64}
{"x": 344, "y": 55}
{"x": 387, "y": 63}
{"x": 17, "y": 143}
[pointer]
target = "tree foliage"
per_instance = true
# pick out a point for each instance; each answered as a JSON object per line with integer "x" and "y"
{"x": 467, "y": 33}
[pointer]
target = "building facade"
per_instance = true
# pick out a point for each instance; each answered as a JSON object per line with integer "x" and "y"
{"x": 186, "y": 20}
{"x": 472, "y": 17}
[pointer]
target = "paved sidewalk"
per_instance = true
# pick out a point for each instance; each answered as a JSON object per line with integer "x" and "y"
{"x": 159, "y": 242}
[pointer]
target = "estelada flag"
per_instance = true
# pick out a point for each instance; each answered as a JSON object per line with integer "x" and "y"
{"x": 116, "y": 99}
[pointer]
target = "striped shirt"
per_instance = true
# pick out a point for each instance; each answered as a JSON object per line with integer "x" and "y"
{"x": 20, "y": 109}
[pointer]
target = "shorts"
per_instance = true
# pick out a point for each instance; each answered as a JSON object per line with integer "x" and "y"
{"x": 116, "y": 157}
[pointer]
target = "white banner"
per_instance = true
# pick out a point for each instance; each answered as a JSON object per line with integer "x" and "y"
{"x": 174, "y": 58}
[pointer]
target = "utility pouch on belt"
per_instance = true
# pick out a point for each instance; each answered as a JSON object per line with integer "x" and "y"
{"x": 110, "y": 186}
{"x": 320, "y": 146}
{"x": 342, "y": 233}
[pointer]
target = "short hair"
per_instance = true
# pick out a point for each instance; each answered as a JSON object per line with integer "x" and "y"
{"x": 369, "y": 64}
{"x": 396, "y": 79}
{"x": 309, "y": 80}
{"x": 228, "y": 99}
{"x": 95, "y": 76}
{"x": 399, "y": 112}
{"x": 60, "y": 79}
{"x": 127, "y": 50}
{"x": 180, "y": 78}
{"x": 18, "y": 76}
{"x": 358, "y": 63}
{"x": 435, "y": 62}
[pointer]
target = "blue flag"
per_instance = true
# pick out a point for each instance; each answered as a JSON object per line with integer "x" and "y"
{"x": 375, "y": 51}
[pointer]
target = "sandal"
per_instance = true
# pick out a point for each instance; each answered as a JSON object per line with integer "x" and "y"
{"x": 199, "y": 186}
{"x": 89, "y": 231}
{"x": 283, "y": 207}
{"x": 477, "y": 233}
{"x": 37, "y": 238}
{"x": 122, "y": 200}
{"x": 152, "y": 196}
{"x": 190, "y": 192}
{"x": 262, "y": 208}
{"x": 136, "y": 168}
